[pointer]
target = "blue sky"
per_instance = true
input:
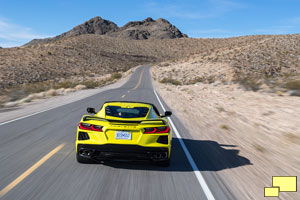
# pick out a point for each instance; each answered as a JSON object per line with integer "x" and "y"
{"x": 21, "y": 21}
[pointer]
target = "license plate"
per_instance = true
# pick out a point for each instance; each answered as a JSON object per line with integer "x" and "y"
{"x": 123, "y": 135}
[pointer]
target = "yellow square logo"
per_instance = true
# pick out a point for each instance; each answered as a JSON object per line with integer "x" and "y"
{"x": 271, "y": 191}
{"x": 285, "y": 183}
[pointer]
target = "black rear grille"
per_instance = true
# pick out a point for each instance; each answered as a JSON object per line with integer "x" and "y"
{"x": 163, "y": 140}
{"x": 83, "y": 136}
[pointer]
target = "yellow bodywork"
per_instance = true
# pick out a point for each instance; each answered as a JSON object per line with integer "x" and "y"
{"x": 112, "y": 124}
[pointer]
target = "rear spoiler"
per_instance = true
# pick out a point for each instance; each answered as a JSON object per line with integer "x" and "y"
{"x": 146, "y": 121}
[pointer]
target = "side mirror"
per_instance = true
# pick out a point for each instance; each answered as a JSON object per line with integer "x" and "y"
{"x": 91, "y": 110}
{"x": 167, "y": 114}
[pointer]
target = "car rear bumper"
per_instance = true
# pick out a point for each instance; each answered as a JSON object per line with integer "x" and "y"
{"x": 126, "y": 152}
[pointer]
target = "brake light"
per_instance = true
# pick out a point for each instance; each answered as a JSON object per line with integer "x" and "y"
{"x": 163, "y": 129}
{"x": 97, "y": 128}
{"x": 90, "y": 127}
{"x": 85, "y": 126}
{"x": 150, "y": 130}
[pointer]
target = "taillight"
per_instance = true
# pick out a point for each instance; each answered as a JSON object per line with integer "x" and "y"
{"x": 163, "y": 129}
{"x": 150, "y": 130}
{"x": 85, "y": 126}
{"x": 90, "y": 127}
{"x": 97, "y": 128}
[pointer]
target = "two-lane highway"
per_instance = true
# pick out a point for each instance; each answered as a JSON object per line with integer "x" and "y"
{"x": 37, "y": 157}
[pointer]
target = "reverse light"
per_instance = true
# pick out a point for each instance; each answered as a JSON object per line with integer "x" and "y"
{"x": 90, "y": 127}
{"x": 163, "y": 129}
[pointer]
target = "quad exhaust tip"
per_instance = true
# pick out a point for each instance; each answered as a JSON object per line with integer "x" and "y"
{"x": 86, "y": 152}
{"x": 159, "y": 156}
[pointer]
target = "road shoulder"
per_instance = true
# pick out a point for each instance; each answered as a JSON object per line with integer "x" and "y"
{"x": 40, "y": 105}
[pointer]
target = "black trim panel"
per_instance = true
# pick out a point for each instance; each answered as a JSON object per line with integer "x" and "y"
{"x": 119, "y": 151}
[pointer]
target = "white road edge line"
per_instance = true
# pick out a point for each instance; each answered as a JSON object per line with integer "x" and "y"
{"x": 9, "y": 121}
{"x": 198, "y": 174}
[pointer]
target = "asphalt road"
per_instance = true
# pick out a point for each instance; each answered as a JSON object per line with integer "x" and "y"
{"x": 28, "y": 171}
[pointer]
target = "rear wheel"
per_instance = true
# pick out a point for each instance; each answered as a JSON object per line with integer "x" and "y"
{"x": 82, "y": 159}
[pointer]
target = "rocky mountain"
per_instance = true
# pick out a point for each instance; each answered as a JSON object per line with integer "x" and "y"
{"x": 148, "y": 29}
{"x": 96, "y": 25}
{"x": 137, "y": 30}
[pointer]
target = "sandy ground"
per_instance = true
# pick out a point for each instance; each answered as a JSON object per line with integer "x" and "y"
{"x": 263, "y": 127}
{"x": 38, "y": 105}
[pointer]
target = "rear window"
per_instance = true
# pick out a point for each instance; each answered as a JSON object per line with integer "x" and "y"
{"x": 117, "y": 111}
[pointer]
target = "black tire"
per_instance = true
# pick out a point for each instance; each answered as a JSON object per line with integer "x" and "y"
{"x": 83, "y": 160}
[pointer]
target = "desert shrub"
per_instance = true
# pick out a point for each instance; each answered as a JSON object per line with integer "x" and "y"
{"x": 293, "y": 84}
{"x": 90, "y": 84}
{"x": 65, "y": 84}
{"x": 225, "y": 127}
{"x": 16, "y": 94}
{"x": 211, "y": 79}
{"x": 51, "y": 92}
{"x": 220, "y": 109}
{"x": 249, "y": 82}
{"x": 36, "y": 87}
{"x": 165, "y": 64}
{"x": 126, "y": 68}
{"x": 21, "y": 91}
{"x": 171, "y": 81}
{"x": 116, "y": 75}
{"x": 195, "y": 80}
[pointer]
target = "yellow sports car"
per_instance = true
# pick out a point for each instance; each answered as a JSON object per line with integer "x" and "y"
{"x": 124, "y": 131}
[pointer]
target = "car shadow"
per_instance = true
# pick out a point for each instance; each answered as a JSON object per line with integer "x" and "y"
{"x": 207, "y": 155}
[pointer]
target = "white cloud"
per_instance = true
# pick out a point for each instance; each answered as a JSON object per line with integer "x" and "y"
{"x": 16, "y": 35}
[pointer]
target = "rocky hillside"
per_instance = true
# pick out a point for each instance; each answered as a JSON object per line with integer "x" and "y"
{"x": 255, "y": 62}
{"x": 138, "y": 30}
{"x": 202, "y": 59}
{"x": 82, "y": 56}
{"x": 99, "y": 48}
{"x": 148, "y": 29}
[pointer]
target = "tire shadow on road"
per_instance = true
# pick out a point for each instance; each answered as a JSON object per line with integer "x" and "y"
{"x": 208, "y": 156}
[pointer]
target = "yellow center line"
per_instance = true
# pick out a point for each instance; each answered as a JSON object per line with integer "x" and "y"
{"x": 123, "y": 96}
{"x": 140, "y": 80}
{"x": 29, "y": 171}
